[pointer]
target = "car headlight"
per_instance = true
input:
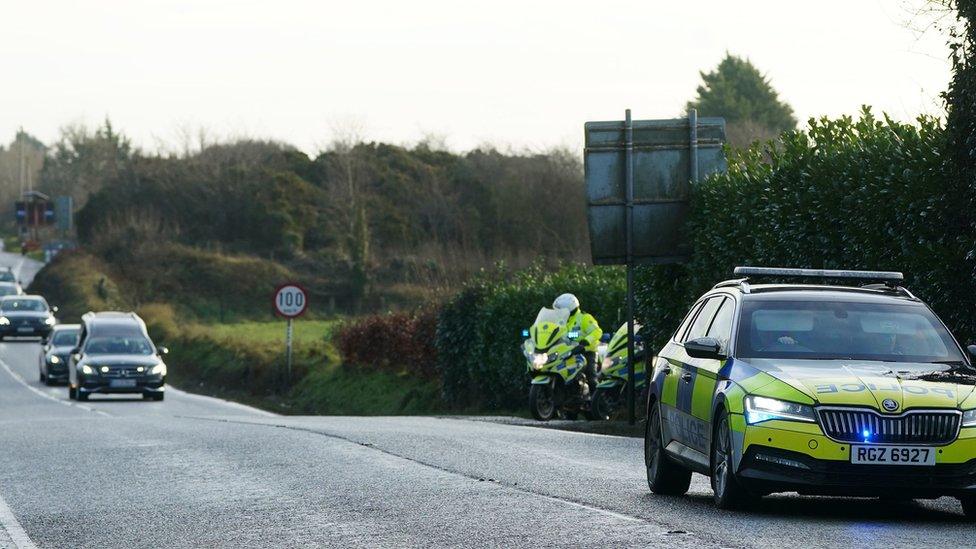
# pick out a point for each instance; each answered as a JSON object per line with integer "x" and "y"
{"x": 87, "y": 370}
{"x": 158, "y": 370}
{"x": 49, "y": 321}
{"x": 969, "y": 418}
{"x": 759, "y": 409}
{"x": 53, "y": 359}
{"x": 4, "y": 321}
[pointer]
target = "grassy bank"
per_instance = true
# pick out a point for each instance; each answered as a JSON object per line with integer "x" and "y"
{"x": 242, "y": 361}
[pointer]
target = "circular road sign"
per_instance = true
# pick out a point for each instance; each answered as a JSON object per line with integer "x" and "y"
{"x": 290, "y": 300}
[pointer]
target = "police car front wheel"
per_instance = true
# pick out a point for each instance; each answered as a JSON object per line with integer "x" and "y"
{"x": 729, "y": 493}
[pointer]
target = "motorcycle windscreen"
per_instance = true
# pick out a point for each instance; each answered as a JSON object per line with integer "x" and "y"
{"x": 555, "y": 316}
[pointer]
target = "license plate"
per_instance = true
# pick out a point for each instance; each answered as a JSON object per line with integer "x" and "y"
{"x": 892, "y": 455}
{"x": 25, "y": 329}
{"x": 122, "y": 383}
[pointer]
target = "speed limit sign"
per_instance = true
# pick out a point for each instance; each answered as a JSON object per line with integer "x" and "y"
{"x": 290, "y": 300}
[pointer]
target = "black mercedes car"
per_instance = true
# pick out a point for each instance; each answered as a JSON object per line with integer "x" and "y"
{"x": 115, "y": 355}
{"x": 26, "y": 316}
{"x": 53, "y": 359}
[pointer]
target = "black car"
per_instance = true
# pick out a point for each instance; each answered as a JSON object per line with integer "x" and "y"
{"x": 10, "y": 288}
{"x": 115, "y": 355}
{"x": 7, "y": 275}
{"x": 53, "y": 360}
{"x": 26, "y": 316}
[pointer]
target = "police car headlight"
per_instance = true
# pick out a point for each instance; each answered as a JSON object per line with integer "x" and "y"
{"x": 87, "y": 370}
{"x": 53, "y": 359}
{"x": 50, "y": 321}
{"x": 969, "y": 418}
{"x": 759, "y": 409}
{"x": 158, "y": 370}
{"x": 4, "y": 321}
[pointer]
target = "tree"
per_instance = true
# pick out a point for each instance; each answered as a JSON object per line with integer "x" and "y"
{"x": 84, "y": 161}
{"x": 737, "y": 91}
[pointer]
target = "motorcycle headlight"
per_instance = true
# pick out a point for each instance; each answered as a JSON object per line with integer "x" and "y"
{"x": 969, "y": 418}
{"x": 607, "y": 362}
{"x": 87, "y": 370}
{"x": 158, "y": 370}
{"x": 759, "y": 409}
{"x": 539, "y": 360}
{"x": 53, "y": 359}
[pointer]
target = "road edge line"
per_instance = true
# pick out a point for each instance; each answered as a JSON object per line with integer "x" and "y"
{"x": 10, "y": 525}
{"x": 40, "y": 393}
{"x": 229, "y": 403}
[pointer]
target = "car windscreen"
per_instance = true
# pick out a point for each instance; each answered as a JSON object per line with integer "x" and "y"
{"x": 7, "y": 276}
{"x": 118, "y": 345}
{"x": 8, "y": 289}
{"x": 65, "y": 338}
{"x": 843, "y": 330}
{"x": 27, "y": 305}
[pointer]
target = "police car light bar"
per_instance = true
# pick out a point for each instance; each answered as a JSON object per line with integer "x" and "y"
{"x": 886, "y": 276}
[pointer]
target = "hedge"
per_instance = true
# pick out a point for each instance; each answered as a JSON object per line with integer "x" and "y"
{"x": 864, "y": 193}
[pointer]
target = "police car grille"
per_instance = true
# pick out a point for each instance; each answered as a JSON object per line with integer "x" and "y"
{"x": 123, "y": 371}
{"x": 911, "y": 428}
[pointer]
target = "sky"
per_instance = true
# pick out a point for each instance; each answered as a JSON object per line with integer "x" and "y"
{"x": 521, "y": 74}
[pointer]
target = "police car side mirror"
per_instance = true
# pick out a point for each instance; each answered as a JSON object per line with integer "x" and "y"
{"x": 971, "y": 349}
{"x": 705, "y": 347}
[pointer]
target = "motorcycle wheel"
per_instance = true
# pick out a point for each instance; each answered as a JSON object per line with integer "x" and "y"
{"x": 541, "y": 402}
{"x": 606, "y": 401}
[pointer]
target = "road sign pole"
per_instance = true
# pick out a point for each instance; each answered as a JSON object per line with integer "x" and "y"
{"x": 629, "y": 212}
{"x": 288, "y": 337}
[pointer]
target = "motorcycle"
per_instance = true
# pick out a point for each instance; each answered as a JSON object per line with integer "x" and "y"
{"x": 610, "y": 396}
{"x": 557, "y": 367}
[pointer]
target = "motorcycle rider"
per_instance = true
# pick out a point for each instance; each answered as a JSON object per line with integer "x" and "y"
{"x": 589, "y": 332}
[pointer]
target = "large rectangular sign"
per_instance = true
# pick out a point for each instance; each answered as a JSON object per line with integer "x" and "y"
{"x": 667, "y": 155}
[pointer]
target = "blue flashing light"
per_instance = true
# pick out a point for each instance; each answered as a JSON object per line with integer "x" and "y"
{"x": 525, "y": 333}
{"x": 867, "y": 434}
{"x": 574, "y": 334}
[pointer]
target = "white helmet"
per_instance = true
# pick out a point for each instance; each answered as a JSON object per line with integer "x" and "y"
{"x": 566, "y": 301}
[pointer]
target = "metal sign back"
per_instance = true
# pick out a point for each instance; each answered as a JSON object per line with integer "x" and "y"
{"x": 666, "y": 155}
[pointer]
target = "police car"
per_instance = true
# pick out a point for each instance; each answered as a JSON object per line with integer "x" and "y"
{"x": 832, "y": 390}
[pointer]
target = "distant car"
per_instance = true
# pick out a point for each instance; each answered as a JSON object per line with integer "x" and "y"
{"x": 7, "y": 275}
{"x": 53, "y": 360}
{"x": 10, "y": 288}
{"x": 26, "y": 316}
{"x": 115, "y": 355}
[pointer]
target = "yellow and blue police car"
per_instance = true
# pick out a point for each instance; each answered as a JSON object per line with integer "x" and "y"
{"x": 833, "y": 390}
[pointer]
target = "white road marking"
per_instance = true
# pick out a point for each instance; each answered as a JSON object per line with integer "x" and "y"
{"x": 41, "y": 393}
{"x": 11, "y": 525}
{"x": 229, "y": 403}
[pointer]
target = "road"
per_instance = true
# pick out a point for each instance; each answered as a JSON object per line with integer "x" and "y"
{"x": 194, "y": 471}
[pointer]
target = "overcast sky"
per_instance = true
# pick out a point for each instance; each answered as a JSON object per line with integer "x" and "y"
{"x": 521, "y": 73}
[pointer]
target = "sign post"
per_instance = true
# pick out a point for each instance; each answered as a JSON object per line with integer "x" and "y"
{"x": 290, "y": 302}
{"x": 639, "y": 175}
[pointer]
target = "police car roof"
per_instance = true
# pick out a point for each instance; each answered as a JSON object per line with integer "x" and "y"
{"x": 815, "y": 292}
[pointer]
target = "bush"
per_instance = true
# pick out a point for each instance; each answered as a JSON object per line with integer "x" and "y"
{"x": 846, "y": 194}
{"x": 395, "y": 342}
{"x": 479, "y": 332}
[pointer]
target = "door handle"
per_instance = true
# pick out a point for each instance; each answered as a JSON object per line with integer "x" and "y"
{"x": 686, "y": 377}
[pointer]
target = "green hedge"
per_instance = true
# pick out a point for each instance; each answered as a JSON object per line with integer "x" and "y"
{"x": 479, "y": 332}
{"x": 864, "y": 193}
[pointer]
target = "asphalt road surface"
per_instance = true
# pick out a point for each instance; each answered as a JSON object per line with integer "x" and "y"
{"x": 193, "y": 471}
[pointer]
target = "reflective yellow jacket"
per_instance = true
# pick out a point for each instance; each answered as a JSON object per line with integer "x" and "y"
{"x": 588, "y": 327}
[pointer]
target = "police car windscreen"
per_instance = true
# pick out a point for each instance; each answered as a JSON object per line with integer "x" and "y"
{"x": 65, "y": 338}
{"x": 843, "y": 330}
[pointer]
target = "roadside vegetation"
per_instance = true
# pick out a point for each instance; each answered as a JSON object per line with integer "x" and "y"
{"x": 425, "y": 265}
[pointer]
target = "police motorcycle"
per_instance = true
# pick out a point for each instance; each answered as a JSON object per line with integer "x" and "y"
{"x": 557, "y": 367}
{"x": 610, "y": 396}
